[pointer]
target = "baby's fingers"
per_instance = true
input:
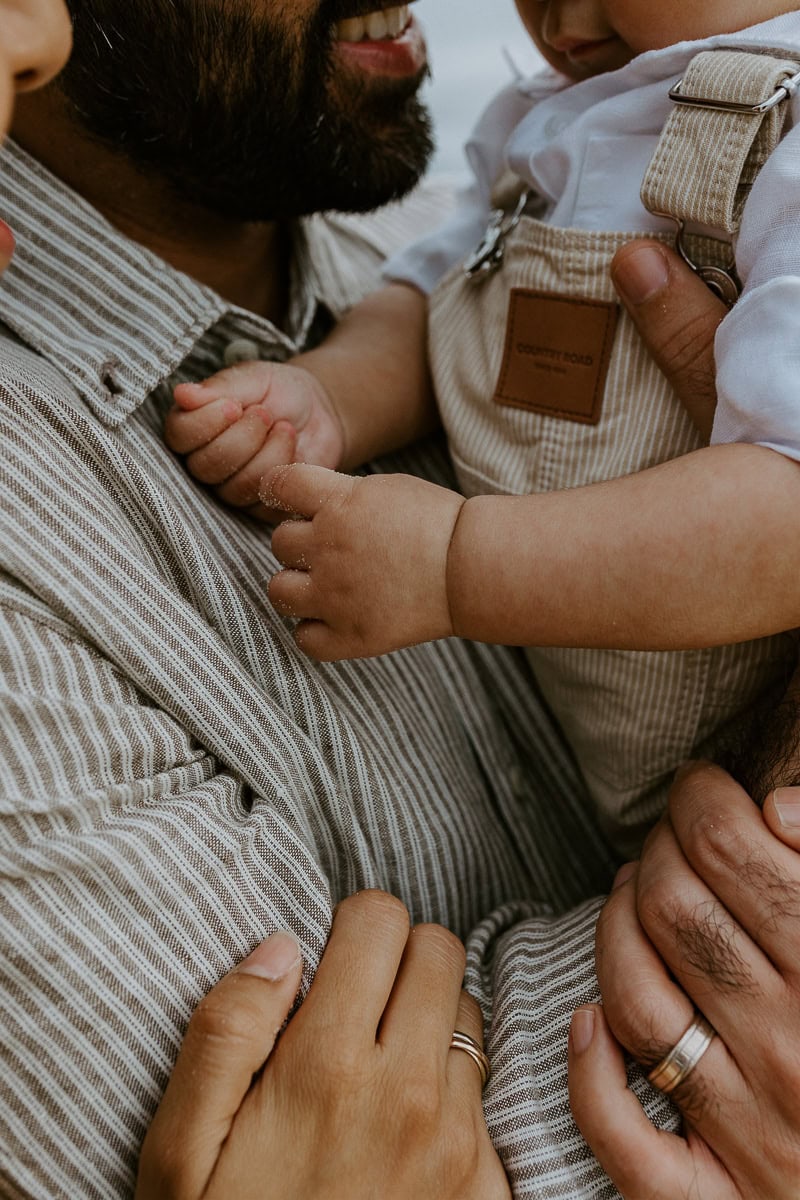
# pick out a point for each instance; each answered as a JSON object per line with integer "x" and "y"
{"x": 185, "y": 432}
{"x": 232, "y": 450}
{"x": 248, "y": 383}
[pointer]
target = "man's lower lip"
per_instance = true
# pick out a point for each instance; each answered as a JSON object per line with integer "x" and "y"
{"x": 398, "y": 57}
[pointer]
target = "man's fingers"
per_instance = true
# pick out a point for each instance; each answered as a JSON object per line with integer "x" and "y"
{"x": 299, "y": 488}
{"x": 228, "y": 1040}
{"x": 643, "y": 1162}
{"x": 782, "y": 815}
{"x": 677, "y": 316}
{"x": 723, "y": 836}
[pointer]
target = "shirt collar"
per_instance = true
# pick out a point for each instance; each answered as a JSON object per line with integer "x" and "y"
{"x": 113, "y": 317}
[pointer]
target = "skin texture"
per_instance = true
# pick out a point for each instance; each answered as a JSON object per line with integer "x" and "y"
{"x": 581, "y": 38}
{"x": 707, "y": 920}
{"x": 357, "y": 1100}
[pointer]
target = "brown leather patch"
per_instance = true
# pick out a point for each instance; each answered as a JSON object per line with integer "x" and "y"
{"x": 557, "y": 354}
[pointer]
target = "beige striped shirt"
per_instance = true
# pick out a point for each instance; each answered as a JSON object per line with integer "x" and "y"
{"x": 177, "y": 780}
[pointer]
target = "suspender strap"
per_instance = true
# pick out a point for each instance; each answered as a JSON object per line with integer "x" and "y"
{"x": 709, "y": 157}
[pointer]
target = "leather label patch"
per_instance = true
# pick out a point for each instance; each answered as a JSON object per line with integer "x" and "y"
{"x": 557, "y": 354}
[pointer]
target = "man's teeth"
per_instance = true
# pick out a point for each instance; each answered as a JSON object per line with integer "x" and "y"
{"x": 376, "y": 26}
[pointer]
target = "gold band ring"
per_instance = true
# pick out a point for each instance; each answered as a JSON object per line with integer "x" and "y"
{"x": 462, "y": 1041}
{"x": 684, "y": 1056}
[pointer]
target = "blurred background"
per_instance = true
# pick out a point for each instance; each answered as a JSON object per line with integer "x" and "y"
{"x": 469, "y": 41}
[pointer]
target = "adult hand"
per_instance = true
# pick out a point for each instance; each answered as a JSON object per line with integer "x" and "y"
{"x": 677, "y": 317}
{"x": 361, "y": 1096}
{"x": 708, "y": 921}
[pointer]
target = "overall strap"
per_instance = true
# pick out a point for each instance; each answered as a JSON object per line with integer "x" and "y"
{"x": 729, "y": 117}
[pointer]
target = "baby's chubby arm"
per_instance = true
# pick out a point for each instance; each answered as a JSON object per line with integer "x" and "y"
{"x": 700, "y": 551}
{"x": 364, "y": 392}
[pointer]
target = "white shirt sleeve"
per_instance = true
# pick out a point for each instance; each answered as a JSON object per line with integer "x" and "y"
{"x": 758, "y": 344}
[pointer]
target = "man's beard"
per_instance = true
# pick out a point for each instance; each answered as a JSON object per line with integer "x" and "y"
{"x": 240, "y": 114}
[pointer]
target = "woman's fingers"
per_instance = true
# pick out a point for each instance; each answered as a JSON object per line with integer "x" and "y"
{"x": 433, "y": 965}
{"x": 358, "y": 971}
{"x": 677, "y": 317}
{"x": 228, "y": 1040}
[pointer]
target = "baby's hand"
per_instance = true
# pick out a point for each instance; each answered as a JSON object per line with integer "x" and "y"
{"x": 367, "y": 569}
{"x": 237, "y": 425}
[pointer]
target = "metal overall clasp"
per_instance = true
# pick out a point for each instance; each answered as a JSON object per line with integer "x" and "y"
{"x": 488, "y": 258}
{"x": 722, "y": 281}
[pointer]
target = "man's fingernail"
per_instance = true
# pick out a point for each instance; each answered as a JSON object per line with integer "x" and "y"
{"x": 787, "y": 806}
{"x": 626, "y": 872}
{"x": 581, "y": 1030}
{"x": 273, "y": 959}
{"x": 641, "y": 274}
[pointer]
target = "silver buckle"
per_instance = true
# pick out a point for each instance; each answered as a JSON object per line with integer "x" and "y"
{"x": 783, "y": 91}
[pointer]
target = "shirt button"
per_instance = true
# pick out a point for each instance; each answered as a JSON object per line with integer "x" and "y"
{"x": 241, "y": 350}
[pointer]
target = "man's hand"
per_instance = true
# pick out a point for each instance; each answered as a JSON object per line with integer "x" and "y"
{"x": 677, "y": 317}
{"x": 708, "y": 921}
{"x": 361, "y": 1097}
{"x": 236, "y": 426}
{"x": 367, "y": 568}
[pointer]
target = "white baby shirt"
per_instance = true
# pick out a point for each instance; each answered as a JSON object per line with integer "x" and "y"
{"x": 585, "y": 147}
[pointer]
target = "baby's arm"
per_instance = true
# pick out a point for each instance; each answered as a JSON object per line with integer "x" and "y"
{"x": 700, "y": 551}
{"x": 364, "y": 392}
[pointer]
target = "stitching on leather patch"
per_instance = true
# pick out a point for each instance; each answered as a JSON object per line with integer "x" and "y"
{"x": 557, "y": 355}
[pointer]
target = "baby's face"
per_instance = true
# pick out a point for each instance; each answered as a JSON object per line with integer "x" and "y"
{"x": 588, "y": 37}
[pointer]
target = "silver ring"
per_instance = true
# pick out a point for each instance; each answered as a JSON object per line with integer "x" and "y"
{"x": 684, "y": 1056}
{"x": 462, "y": 1041}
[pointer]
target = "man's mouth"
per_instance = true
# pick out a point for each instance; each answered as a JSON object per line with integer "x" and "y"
{"x": 380, "y": 26}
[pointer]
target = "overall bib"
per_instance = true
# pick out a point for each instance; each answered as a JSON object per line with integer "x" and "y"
{"x": 543, "y": 384}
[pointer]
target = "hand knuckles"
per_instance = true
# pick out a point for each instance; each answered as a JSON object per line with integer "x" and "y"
{"x": 216, "y": 1020}
{"x": 444, "y": 945}
{"x": 641, "y": 1023}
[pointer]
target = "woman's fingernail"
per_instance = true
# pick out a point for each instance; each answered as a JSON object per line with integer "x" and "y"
{"x": 626, "y": 872}
{"x": 581, "y": 1031}
{"x": 641, "y": 274}
{"x": 273, "y": 959}
{"x": 787, "y": 806}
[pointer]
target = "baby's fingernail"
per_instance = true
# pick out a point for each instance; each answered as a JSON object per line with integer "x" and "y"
{"x": 641, "y": 274}
{"x": 581, "y": 1030}
{"x": 787, "y": 806}
{"x": 273, "y": 959}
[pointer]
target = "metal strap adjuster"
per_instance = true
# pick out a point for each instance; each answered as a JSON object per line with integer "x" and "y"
{"x": 783, "y": 91}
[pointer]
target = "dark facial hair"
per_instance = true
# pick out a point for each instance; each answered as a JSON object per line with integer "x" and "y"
{"x": 243, "y": 113}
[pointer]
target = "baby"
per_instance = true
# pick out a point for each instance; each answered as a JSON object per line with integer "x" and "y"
{"x": 595, "y": 527}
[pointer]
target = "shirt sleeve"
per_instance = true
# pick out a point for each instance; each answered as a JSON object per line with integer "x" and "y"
{"x": 758, "y": 343}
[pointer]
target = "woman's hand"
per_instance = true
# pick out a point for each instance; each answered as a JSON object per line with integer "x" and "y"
{"x": 361, "y": 1096}
{"x": 709, "y": 920}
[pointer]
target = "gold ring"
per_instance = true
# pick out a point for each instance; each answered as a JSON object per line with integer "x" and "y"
{"x": 462, "y": 1041}
{"x": 684, "y": 1056}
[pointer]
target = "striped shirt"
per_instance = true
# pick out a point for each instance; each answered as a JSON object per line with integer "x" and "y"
{"x": 177, "y": 780}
